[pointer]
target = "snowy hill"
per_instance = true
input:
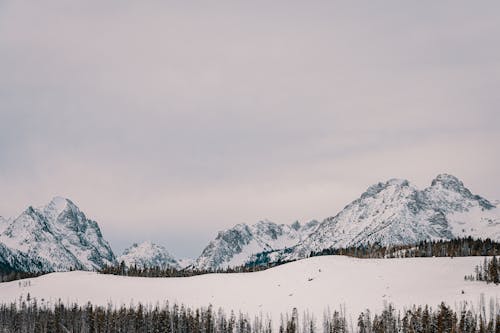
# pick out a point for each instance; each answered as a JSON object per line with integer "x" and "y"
{"x": 236, "y": 246}
{"x": 54, "y": 237}
{"x": 313, "y": 284}
{"x": 148, "y": 254}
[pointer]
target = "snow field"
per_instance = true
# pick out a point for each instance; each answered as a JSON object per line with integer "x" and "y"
{"x": 313, "y": 285}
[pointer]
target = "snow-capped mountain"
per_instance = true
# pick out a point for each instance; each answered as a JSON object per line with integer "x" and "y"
{"x": 236, "y": 246}
{"x": 396, "y": 212}
{"x": 389, "y": 213}
{"x": 148, "y": 254}
{"x": 54, "y": 237}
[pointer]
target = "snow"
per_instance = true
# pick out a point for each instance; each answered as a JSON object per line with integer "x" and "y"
{"x": 312, "y": 284}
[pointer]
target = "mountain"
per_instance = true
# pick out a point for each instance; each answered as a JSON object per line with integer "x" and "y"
{"x": 236, "y": 246}
{"x": 396, "y": 212}
{"x": 54, "y": 237}
{"x": 58, "y": 236}
{"x": 148, "y": 254}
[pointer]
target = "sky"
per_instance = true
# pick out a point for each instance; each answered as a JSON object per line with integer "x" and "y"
{"x": 171, "y": 120}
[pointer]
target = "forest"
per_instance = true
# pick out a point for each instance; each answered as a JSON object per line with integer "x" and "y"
{"x": 28, "y": 316}
{"x": 459, "y": 247}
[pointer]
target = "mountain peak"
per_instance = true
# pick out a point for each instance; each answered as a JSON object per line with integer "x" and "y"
{"x": 397, "y": 182}
{"x": 148, "y": 254}
{"x": 374, "y": 189}
{"x": 454, "y": 185}
{"x": 58, "y": 205}
{"x": 447, "y": 181}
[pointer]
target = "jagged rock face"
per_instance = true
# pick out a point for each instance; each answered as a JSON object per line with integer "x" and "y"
{"x": 236, "y": 246}
{"x": 58, "y": 237}
{"x": 148, "y": 254}
{"x": 13, "y": 260}
{"x": 396, "y": 212}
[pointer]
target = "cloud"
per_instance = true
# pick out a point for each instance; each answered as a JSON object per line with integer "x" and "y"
{"x": 167, "y": 120}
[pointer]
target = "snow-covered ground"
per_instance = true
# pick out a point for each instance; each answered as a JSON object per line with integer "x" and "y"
{"x": 313, "y": 284}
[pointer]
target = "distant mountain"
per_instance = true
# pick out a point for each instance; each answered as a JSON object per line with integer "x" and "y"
{"x": 394, "y": 212}
{"x": 148, "y": 254}
{"x": 236, "y": 246}
{"x": 54, "y": 237}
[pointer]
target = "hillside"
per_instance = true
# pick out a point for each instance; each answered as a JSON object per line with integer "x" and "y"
{"x": 312, "y": 284}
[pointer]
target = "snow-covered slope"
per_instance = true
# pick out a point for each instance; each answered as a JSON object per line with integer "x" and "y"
{"x": 57, "y": 235}
{"x": 313, "y": 284}
{"x": 236, "y": 246}
{"x": 148, "y": 254}
{"x": 396, "y": 212}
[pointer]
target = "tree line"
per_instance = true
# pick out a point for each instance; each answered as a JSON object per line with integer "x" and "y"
{"x": 459, "y": 247}
{"x": 159, "y": 271}
{"x": 12, "y": 275}
{"x": 29, "y": 316}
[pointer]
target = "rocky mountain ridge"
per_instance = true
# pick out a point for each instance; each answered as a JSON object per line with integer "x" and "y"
{"x": 235, "y": 246}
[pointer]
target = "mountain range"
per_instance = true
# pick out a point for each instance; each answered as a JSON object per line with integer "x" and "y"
{"x": 58, "y": 236}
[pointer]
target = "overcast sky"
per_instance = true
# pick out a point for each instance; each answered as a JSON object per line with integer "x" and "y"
{"x": 170, "y": 121}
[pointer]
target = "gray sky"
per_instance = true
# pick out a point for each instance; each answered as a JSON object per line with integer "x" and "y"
{"x": 170, "y": 121}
